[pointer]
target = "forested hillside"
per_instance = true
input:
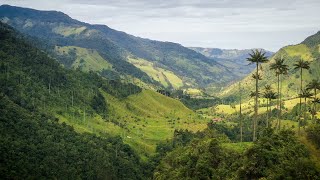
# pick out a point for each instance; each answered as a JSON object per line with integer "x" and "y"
{"x": 34, "y": 142}
{"x": 45, "y": 104}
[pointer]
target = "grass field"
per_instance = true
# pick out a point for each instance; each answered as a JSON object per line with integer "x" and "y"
{"x": 161, "y": 75}
{"x": 142, "y": 120}
{"x": 68, "y": 30}
{"x": 86, "y": 59}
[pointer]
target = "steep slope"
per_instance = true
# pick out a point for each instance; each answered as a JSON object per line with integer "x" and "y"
{"x": 307, "y": 50}
{"x": 34, "y": 143}
{"x": 118, "y": 48}
{"x": 87, "y": 102}
{"x": 234, "y": 59}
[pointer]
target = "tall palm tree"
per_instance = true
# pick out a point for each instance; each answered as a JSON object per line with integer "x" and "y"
{"x": 305, "y": 93}
{"x": 240, "y": 111}
{"x": 269, "y": 95}
{"x": 256, "y": 57}
{"x": 314, "y": 85}
{"x": 301, "y": 64}
{"x": 280, "y": 68}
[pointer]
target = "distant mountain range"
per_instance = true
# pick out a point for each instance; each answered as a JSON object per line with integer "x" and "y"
{"x": 116, "y": 54}
{"x": 234, "y": 59}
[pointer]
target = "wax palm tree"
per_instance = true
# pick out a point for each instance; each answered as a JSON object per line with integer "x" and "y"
{"x": 280, "y": 68}
{"x": 314, "y": 85}
{"x": 256, "y": 57}
{"x": 240, "y": 112}
{"x": 305, "y": 93}
{"x": 269, "y": 95}
{"x": 301, "y": 64}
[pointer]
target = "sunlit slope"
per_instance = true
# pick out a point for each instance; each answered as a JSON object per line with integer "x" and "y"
{"x": 165, "y": 77}
{"x": 142, "y": 120}
{"x": 84, "y": 59}
{"x": 291, "y": 81}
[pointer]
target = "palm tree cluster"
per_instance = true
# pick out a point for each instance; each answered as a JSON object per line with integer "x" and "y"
{"x": 258, "y": 57}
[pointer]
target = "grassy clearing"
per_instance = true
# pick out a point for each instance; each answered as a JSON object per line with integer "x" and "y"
{"x": 193, "y": 91}
{"x": 239, "y": 147}
{"x": 68, "y": 30}
{"x": 142, "y": 120}
{"x": 86, "y": 59}
{"x": 161, "y": 75}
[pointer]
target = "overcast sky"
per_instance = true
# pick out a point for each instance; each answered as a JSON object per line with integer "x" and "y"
{"x": 228, "y": 24}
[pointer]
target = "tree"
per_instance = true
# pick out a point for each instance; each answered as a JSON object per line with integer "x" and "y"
{"x": 314, "y": 85}
{"x": 301, "y": 64}
{"x": 256, "y": 57}
{"x": 240, "y": 112}
{"x": 269, "y": 94}
{"x": 304, "y": 94}
{"x": 280, "y": 68}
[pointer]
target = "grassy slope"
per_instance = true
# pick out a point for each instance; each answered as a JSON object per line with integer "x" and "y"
{"x": 68, "y": 30}
{"x": 86, "y": 59}
{"x": 291, "y": 82}
{"x": 165, "y": 77}
{"x": 145, "y": 118}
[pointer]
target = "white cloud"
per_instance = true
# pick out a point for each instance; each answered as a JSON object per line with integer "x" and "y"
{"x": 224, "y": 24}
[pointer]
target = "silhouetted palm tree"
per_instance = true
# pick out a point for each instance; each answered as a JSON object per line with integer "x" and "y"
{"x": 314, "y": 85}
{"x": 280, "y": 68}
{"x": 256, "y": 57}
{"x": 305, "y": 93}
{"x": 301, "y": 64}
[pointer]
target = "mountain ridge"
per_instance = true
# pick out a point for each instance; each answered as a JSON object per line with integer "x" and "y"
{"x": 193, "y": 68}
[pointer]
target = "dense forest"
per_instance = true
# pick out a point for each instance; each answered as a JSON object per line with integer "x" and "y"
{"x": 34, "y": 143}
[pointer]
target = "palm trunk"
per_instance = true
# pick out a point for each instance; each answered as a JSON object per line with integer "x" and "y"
{"x": 240, "y": 113}
{"x": 256, "y": 106}
{"x": 278, "y": 101}
{"x": 305, "y": 110}
{"x": 267, "y": 113}
{"x": 314, "y": 106}
{"x": 299, "y": 121}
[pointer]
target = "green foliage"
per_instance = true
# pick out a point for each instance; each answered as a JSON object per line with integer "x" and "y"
{"x": 272, "y": 156}
{"x": 34, "y": 145}
{"x": 313, "y": 134}
{"x": 278, "y": 156}
{"x": 98, "y": 103}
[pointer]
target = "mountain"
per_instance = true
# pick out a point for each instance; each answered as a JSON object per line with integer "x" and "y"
{"x": 88, "y": 103}
{"x": 35, "y": 94}
{"x": 307, "y": 50}
{"x": 151, "y": 62}
{"x": 234, "y": 59}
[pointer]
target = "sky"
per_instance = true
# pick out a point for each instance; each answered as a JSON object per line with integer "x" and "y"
{"x": 228, "y": 24}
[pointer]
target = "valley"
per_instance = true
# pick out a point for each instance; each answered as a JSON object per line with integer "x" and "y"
{"x": 85, "y": 101}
